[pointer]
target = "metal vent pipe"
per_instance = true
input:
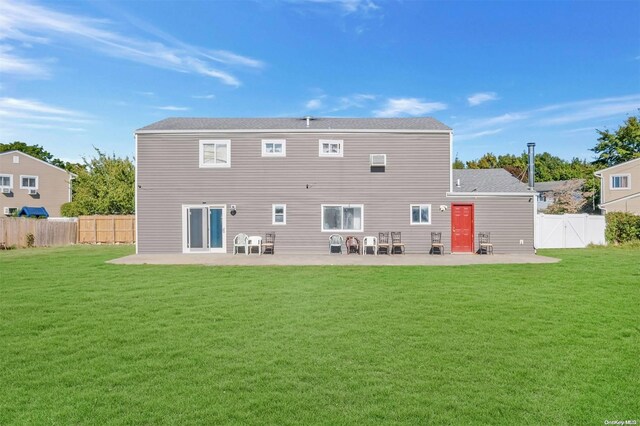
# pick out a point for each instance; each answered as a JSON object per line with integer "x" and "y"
{"x": 532, "y": 167}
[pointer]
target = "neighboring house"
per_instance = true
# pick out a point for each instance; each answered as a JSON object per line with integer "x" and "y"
{"x": 620, "y": 187}
{"x": 548, "y": 191}
{"x": 201, "y": 181}
{"x": 26, "y": 181}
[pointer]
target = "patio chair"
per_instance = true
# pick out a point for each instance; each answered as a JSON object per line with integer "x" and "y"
{"x": 254, "y": 241}
{"x": 268, "y": 244}
{"x": 335, "y": 241}
{"x": 383, "y": 242}
{"x": 370, "y": 242}
{"x": 352, "y": 244}
{"x": 436, "y": 243}
{"x": 240, "y": 241}
{"x": 485, "y": 243}
{"x": 396, "y": 243}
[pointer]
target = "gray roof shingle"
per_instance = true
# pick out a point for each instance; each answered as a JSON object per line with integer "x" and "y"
{"x": 487, "y": 180}
{"x": 181, "y": 123}
{"x": 557, "y": 185}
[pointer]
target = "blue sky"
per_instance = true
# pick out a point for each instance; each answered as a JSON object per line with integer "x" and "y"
{"x": 79, "y": 74}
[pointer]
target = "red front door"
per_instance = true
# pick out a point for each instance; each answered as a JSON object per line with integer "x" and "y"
{"x": 462, "y": 228}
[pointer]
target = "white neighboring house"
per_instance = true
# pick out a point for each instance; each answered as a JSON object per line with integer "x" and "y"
{"x": 620, "y": 187}
{"x": 26, "y": 181}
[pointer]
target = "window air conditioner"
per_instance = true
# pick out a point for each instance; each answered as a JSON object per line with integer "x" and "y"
{"x": 33, "y": 192}
{"x": 378, "y": 160}
{"x": 7, "y": 210}
{"x": 6, "y": 190}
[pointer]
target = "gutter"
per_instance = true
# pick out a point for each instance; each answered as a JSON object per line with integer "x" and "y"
{"x": 290, "y": 131}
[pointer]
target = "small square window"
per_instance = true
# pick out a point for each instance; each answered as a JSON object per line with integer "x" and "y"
{"x": 215, "y": 153}
{"x": 274, "y": 148}
{"x": 330, "y": 148}
{"x": 28, "y": 182}
{"x": 279, "y": 214}
{"x": 421, "y": 214}
{"x": 620, "y": 182}
{"x": 6, "y": 181}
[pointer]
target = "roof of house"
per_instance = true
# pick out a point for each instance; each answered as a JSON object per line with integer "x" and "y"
{"x": 33, "y": 212}
{"x": 487, "y": 180}
{"x": 555, "y": 185}
{"x": 320, "y": 123}
{"x": 15, "y": 151}
{"x": 626, "y": 163}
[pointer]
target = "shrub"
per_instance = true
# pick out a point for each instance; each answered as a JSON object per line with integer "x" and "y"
{"x": 30, "y": 240}
{"x": 70, "y": 209}
{"x": 622, "y": 227}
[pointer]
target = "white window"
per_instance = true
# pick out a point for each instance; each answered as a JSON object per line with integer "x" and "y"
{"x": 330, "y": 148}
{"x": 274, "y": 148}
{"x": 620, "y": 181}
{"x": 215, "y": 153}
{"x": 6, "y": 181}
{"x": 28, "y": 182}
{"x": 342, "y": 217}
{"x": 279, "y": 214}
{"x": 421, "y": 214}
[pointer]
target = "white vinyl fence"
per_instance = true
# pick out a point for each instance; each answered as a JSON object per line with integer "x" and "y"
{"x": 568, "y": 230}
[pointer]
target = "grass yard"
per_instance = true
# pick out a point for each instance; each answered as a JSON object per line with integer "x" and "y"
{"x": 84, "y": 342}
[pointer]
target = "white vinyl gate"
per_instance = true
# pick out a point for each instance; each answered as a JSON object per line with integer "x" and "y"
{"x": 568, "y": 230}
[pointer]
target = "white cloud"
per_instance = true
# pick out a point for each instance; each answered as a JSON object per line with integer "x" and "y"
{"x": 346, "y": 6}
{"x": 31, "y": 23}
{"x": 203, "y": 96}
{"x": 479, "y": 98}
{"x": 17, "y": 110}
{"x": 173, "y": 108}
{"x": 467, "y": 136}
{"x": 314, "y": 103}
{"x": 150, "y": 94}
{"x": 11, "y": 64}
{"x": 397, "y": 107}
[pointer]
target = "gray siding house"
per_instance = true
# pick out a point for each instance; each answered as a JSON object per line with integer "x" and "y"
{"x": 26, "y": 181}
{"x": 201, "y": 181}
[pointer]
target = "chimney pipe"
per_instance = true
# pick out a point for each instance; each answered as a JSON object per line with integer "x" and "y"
{"x": 532, "y": 168}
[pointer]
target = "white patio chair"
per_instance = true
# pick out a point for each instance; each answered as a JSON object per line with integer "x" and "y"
{"x": 335, "y": 240}
{"x": 240, "y": 241}
{"x": 254, "y": 241}
{"x": 370, "y": 242}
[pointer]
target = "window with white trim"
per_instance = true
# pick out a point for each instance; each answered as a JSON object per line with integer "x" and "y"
{"x": 6, "y": 181}
{"x": 274, "y": 148}
{"x": 620, "y": 181}
{"x": 330, "y": 148}
{"x": 342, "y": 217}
{"x": 421, "y": 214}
{"x": 28, "y": 182}
{"x": 278, "y": 214}
{"x": 215, "y": 153}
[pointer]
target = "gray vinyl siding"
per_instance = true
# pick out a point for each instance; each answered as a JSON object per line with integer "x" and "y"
{"x": 169, "y": 176}
{"x": 508, "y": 219}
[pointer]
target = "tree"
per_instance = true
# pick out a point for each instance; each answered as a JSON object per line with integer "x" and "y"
{"x": 105, "y": 185}
{"x": 619, "y": 146}
{"x": 457, "y": 164}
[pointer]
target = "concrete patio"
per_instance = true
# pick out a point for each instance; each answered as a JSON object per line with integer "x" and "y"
{"x": 330, "y": 259}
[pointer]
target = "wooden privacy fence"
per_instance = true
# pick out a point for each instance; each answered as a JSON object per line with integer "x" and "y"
{"x": 46, "y": 233}
{"x": 107, "y": 229}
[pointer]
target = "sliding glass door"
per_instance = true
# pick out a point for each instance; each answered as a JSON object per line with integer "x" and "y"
{"x": 204, "y": 229}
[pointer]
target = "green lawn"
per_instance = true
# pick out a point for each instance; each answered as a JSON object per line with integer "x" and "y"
{"x": 84, "y": 342}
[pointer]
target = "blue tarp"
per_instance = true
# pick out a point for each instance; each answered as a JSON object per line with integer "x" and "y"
{"x": 33, "y": 212}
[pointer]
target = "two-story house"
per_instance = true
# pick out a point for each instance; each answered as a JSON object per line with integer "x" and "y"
{"x": 620, "y": 187}
{"x": 26, "y": 181}
{"x": 200, "y": 181}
